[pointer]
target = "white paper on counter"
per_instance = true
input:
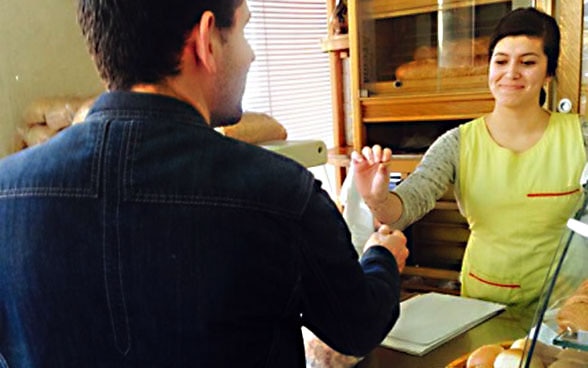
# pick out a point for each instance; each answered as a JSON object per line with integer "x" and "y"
{"x": 429, "y": 320}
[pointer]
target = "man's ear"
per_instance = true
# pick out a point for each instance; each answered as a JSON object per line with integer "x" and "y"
{"x": 203, "y": 42}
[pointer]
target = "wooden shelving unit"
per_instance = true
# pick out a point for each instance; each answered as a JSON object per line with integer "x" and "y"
{"x": 336, "y": 43}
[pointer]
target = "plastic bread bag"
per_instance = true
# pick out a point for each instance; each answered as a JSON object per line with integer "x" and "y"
{"x": 320, "y": 355}
{"x": 356, "y": 213}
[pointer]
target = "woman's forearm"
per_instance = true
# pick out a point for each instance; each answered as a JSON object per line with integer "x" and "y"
{"x": 386, "y": 210}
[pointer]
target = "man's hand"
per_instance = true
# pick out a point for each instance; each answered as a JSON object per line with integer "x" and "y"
{"x": 393, "y": 240}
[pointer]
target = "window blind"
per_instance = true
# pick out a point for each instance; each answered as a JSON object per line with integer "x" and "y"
{"x": 290, "y": 77}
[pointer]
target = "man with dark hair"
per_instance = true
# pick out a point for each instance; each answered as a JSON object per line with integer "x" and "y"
{"x": 144, "y": 238}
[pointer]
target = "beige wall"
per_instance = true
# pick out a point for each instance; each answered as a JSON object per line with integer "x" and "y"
{"x": 41, "y": 55}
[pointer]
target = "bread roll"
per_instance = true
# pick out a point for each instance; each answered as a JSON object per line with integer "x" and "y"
{"x": 519, "y": 343}
{"x": 255, "y": 128}
{"x": 484, "y": 356}
{"x": 511, "y": 358}
{"x": 547, "y": 353}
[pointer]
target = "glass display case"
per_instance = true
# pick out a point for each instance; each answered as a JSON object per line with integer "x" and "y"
{"x": 426, "y": 46}
{"x": 561, "y": 320}
{"x": 419, "y": 61}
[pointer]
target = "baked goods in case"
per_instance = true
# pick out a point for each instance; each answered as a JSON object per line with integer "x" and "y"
{"x": 425, "y": 52}
{"x": 484, "y": 356}
{"x": 573, "y": 356}
{"x": 466, "y": 47}
{"x": 463, "y": 57}
{"x": 509, "y": 354}
{"x": 430, "y": 68}
{"x": 573, "y": 315}
{"x": 512, "y": 358}
{"x": 566, "y": 364}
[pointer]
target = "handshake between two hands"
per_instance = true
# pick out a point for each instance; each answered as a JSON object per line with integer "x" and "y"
{"x": 393, "y": 240}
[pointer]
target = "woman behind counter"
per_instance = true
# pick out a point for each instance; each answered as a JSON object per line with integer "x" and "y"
{"x": 516, "y": 171}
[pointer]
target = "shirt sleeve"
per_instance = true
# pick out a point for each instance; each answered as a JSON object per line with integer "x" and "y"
{"x": 421, "y": 189}
{"x": 349, "y": 304}
{"x": 584, "y": 133}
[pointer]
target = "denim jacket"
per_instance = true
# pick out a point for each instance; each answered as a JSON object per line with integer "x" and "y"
{"x": 144, "y": 238}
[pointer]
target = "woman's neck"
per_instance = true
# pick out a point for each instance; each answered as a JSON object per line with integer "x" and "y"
{"x": 517, "y": 130}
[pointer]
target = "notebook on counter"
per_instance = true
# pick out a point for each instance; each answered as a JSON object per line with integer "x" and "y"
{"x": 429, "y": 320}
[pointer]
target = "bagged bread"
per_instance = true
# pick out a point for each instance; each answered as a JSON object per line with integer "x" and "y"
{"x": 44, "y": 117}
{"x": 36, "y": 133}
{"x": 56, "y": 112}
{"x": 83, "y": 110}
{"x": 320, "y": 355}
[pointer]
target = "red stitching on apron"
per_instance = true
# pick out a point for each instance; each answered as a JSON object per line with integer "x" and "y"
{"x": 555, "y": 194}
{"x": 510, "y": 286}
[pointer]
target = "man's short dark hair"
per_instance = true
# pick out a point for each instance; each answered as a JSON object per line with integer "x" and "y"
{"x": 140, "y": 41}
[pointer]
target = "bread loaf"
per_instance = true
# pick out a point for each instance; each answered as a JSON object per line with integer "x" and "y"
{"x": 430, "y": 68}
{"x": 458, "y": 58}
{"x": 255, "y": 128}
{"x": 417, "y": 69}
{"x": 575, "y": 356}
{"x": 573, "y": 315}
{"x": 566, "y": 364}
{"x": 425, "y": 52}
{"x": 466, "y": 47}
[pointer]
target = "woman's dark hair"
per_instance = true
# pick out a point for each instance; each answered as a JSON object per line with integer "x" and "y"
{"x": 140, "y": 41}
{"x": 533, "y": 23}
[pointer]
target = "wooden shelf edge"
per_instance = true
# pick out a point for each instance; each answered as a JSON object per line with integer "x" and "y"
{"x": 434, "y": 273}
{"x": 335, "y": 43}
{"x": 339, "y": 156}
{"x": 446, "y": 205}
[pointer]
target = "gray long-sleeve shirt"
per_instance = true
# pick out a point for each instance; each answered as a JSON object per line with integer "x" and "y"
{"x": 432, "y": 177}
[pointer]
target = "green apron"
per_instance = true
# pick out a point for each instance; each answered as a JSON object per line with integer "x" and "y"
{"x": 517, "y": 205}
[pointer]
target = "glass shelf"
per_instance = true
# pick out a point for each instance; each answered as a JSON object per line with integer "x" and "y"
{"x": 559, "y": 320}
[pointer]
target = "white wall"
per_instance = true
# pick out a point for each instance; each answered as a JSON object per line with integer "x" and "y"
{"x": 42, "y": 54}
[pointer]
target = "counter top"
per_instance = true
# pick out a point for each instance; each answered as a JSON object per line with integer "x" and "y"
{"x": 506, "y": 326}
